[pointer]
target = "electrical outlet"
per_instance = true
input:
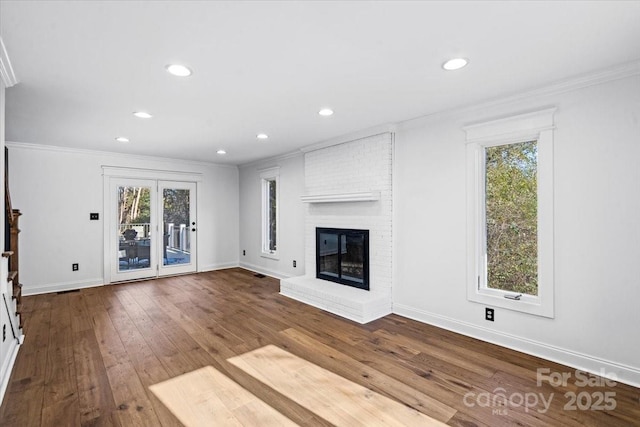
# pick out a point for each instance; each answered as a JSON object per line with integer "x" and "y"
{"x": 488, "y": 314}
{"x": 244, "y": 252}
{"x": 74, "y": 267}
{"x": 94, "y": 216}
{"x": 294, "y": 263}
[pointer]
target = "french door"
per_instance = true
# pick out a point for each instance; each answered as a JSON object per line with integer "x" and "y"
{"x": 177, "y": 216}
{"x": 152, "y": 229}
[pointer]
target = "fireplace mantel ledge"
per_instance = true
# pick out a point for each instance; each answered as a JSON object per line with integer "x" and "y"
{"x": 369, "y": 196}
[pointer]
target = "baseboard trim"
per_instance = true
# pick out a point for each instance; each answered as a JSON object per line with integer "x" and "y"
{"x": 624, "y": 374}
{"x": 262, "y": 270}
{"x": 220, "y": 266}
{"x": 59, "y": 287}
{"x": 7, "y": 368}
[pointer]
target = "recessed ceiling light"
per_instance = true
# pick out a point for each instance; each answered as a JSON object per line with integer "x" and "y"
{"x": 178, "y": 70}
{"x": 221, "y": 152}
{"x": 142, "y": 115}
{"x": 455, "y": 64}
{"x": 326, "y": 112}
{"x": 122, "y": 139}
{"x": 262, "y": 136}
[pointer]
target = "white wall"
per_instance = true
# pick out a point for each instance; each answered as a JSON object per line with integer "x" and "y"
{"x": 290, "y": 238}
{"x": 597, "y": 229}
{"x": 56, "y": 189}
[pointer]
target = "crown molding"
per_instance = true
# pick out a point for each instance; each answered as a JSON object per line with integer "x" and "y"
{"x": 57, "y": 149}
{"x": 562, "y": 86}
{"x": 7, "y": 75}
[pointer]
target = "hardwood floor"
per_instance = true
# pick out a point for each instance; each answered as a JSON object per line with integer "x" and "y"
{"x": 90, "y": 357}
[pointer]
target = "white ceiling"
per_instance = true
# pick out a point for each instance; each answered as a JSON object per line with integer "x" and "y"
{"x": 84, "y": 67}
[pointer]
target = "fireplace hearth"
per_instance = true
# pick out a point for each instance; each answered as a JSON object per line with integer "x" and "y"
{"x": 342, "y": 256}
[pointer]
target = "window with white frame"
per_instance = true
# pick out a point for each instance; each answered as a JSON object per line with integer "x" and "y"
{"x": 270, "y": 190}
{"x": 510, "y": 213}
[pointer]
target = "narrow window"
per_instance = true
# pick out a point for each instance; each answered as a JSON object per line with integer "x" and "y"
{"x": 270, "y": 212}
{"x": 270, "y": 199}
{"x": 511, "y": 217}
{"x": 510, "y": 213}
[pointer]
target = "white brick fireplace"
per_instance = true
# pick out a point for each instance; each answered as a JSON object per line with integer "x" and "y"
{"x": 349, "y": 186}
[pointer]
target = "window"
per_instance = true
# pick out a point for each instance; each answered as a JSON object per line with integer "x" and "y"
{"x": 269, "y": 178}
{"x": 271, "y": 215}
{"x": 511, "y": 217}
{"x": 510, "y": 213}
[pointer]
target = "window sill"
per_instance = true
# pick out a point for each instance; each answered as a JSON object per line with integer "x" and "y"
{"x": 526, "y": 304}
{"x": 270, "y": 255}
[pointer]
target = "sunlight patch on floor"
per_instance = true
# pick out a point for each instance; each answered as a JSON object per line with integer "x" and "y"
{"x": 207, "y": 397}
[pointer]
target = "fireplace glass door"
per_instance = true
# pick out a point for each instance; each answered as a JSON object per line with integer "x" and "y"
{"x": 342, "y": 256}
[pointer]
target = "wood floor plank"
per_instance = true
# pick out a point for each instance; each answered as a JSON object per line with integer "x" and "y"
{"x": 172, "y": 358}
{"x": 398, "y": 344}
{"x": 23, "y": 404}
{"x": 358, "y": 372}
{"x": 144, "y": 361}
{"x": 332, "y": 397}
{"x": 134, "y": 408}
{"x": 60, "y": 388}
{"x": 178, "y": 352}
{"x": 90, "y": 356}
{"x": 95, "y": 399}
{"x": 80, "y": 316}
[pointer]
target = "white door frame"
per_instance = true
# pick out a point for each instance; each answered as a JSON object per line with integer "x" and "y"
{"x": 114, "y": 172}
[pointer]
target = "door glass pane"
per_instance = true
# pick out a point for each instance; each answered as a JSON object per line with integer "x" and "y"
{"x": 177, "y": 226}
{"x": 328, "y": 254}
{"x": 134, "y": 231}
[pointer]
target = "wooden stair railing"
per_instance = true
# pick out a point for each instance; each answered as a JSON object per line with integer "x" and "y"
{"x": 17, "y": 293}
{"x": 11, "y": 241}
{"x": 16, "y": 286}
{"x": 14, "y": 264}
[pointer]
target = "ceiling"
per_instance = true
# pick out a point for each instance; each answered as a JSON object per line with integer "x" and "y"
{"x": 85, "y": 67}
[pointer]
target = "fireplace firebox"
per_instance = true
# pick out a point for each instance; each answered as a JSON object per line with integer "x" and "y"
{"x": 342, "y": 256}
